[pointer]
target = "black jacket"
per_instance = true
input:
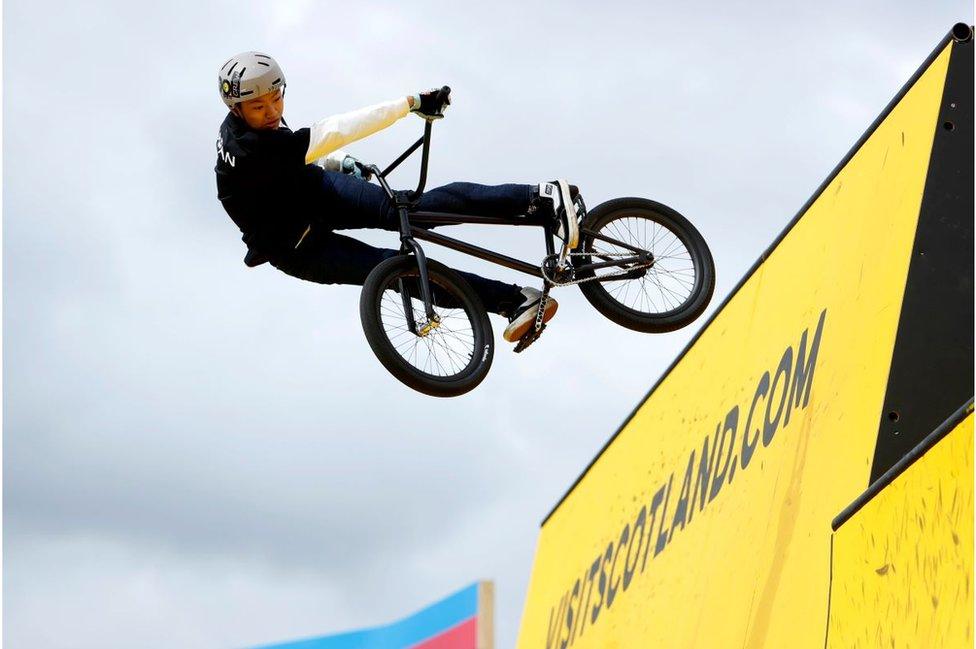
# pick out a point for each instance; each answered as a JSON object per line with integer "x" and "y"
{"x": 265, "y": 185}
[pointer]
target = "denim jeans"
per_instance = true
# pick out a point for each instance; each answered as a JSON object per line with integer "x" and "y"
{"x": 349, "y": 203}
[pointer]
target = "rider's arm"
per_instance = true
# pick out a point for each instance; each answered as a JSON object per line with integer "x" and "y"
{"x": 333, "y": 132}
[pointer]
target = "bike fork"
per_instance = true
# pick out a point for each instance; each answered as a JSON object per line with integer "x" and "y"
{"x": 407, "y": 243}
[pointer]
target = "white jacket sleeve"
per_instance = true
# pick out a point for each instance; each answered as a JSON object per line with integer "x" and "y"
{"x": 329, "y": 134}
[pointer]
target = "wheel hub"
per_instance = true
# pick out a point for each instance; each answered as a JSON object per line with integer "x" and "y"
{"x": 431, "y": 324}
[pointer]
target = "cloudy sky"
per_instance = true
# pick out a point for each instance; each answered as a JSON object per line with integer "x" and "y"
{"x": 197, "y": 454}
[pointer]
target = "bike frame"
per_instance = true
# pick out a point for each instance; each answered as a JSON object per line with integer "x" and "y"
{"x": 405, "y": 204}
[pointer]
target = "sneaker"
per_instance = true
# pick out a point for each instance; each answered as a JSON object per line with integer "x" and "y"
{"x": 570, "y": 222}
{"x": 559, "y": 199}
{"x": 523, "y": 318}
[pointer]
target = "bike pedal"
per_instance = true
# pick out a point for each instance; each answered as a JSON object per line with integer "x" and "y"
{"x": 528, "y": 339}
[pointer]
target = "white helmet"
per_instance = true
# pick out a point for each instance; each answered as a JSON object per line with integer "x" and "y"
{"x": 248, "y": 75}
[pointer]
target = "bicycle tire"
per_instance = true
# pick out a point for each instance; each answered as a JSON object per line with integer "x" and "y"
{"x": 687, "y": 309}
{"x": 462, "y": 375}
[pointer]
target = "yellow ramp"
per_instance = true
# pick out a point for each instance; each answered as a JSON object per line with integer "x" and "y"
{"x": 903, "y": 564}
{"x": 705, "y": 521}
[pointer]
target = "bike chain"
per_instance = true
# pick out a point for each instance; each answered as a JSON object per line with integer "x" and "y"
{"x": 573, "y": 282}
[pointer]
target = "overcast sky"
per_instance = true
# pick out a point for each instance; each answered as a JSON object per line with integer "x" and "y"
{"x": 197, "y": 454}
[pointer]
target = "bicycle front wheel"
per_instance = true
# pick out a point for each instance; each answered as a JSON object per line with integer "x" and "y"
{"x": 445, "y": 355}
{"x": 664, "y": 295}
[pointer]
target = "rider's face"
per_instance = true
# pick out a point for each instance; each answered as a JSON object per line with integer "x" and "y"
{"x": 263, "y": 112}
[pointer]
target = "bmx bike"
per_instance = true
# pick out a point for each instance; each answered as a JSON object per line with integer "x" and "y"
{"x": 638, "y": 262}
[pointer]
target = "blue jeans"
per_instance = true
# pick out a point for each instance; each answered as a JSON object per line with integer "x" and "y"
{"x": 349, "y": 203}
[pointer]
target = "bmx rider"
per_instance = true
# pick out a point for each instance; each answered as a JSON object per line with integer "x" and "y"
{"x": 290, "y": 192}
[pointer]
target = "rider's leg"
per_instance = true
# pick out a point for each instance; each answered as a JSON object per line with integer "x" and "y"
{"x": 352, "y": 203}
{"x": 478, "y": 200}
{"x": 329, "y": 258}
{"x": 349, "y": 203}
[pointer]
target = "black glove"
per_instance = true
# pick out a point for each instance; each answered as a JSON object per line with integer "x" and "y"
{"x": 431, "y": 104}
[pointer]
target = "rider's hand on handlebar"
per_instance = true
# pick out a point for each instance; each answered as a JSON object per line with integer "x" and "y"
{"x": 351, "y": 165}
{"x": 431, "y": 104}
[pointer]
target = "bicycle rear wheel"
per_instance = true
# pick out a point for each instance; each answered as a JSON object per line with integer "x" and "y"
{"x": 444, "y": 356}
{"x": 663, "y": 296}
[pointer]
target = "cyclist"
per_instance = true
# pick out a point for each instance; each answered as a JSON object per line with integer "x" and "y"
{"x": 290, "y": 191}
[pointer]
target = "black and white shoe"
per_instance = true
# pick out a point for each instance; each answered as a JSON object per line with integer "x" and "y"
{"x": 523, "y": 318}
{"x": 559, "y": 199}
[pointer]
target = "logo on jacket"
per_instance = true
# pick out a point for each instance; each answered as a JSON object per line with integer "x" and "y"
{"x": 224, "y": 155}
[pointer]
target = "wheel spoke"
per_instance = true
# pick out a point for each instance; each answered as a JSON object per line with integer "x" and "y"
{"x": 446, "y": 348}
{"x": 667, "y": 284}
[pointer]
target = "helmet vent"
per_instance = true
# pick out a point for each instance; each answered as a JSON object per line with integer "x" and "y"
{"x": 232, "y": 68}
{"x": 226, "y": 64}
{"x": 263, "y": 56}
{"x": 278, "y": 80}
{"x": 267, "y": 65}
{"x": 247, "y": 92}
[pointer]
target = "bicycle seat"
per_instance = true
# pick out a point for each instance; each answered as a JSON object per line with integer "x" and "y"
{"x": 254, "y": 258}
